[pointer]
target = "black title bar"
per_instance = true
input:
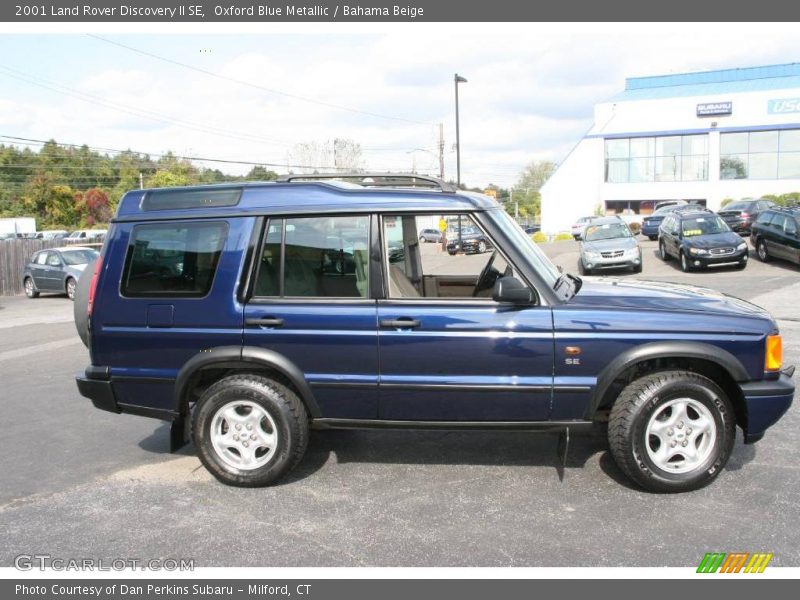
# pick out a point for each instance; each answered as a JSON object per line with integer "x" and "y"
{"x": 400, "y": 11}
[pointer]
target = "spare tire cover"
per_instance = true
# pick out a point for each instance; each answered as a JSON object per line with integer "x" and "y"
{"x": 82, "y": 303}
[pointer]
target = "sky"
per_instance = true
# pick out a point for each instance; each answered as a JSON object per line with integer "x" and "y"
{"x": 253, "y": 96}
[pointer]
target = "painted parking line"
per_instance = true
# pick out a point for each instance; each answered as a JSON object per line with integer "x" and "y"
{"x": 20, "y": 352}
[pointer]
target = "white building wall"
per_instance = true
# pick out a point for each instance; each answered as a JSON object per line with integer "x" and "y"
{"x": 578, "y": 186}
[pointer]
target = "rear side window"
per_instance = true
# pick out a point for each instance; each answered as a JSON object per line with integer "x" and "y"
{"x": 764, "y": 218}
{"x": 174, "y": 259}
{"x": 315, "y": 257}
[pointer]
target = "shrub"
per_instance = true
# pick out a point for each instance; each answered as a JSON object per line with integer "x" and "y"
{"x": 635, "y": 227}
{"x": 563, "y": 236}
{"x": 539, "y": 237}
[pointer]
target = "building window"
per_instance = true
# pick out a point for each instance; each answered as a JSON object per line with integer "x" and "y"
{"x": 663, "y": 158}
{"x": 760, "y": 155}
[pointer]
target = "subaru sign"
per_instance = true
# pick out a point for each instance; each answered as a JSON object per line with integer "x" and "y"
{"x": 713, "y": 109}
{"x": 783, "y": 106}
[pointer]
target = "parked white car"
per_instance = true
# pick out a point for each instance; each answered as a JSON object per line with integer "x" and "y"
{"x": 580, "y": 225}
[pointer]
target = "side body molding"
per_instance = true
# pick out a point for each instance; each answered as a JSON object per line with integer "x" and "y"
{"x": 666, "y": 349}
{"x": 237, "y": 357}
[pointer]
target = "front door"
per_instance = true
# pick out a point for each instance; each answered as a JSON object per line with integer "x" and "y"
{"x": 311, "y": 304}
{"x": 448, "y": 352}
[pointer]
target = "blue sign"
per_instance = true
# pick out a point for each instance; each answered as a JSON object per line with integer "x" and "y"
{"x": 783, "y": 106}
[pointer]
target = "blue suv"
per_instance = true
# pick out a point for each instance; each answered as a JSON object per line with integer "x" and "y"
{"x": 249, "y": 314}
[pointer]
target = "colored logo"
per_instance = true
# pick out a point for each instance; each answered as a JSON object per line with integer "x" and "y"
{"x": 736, "y": 562}
{"x": 783, "y": 106}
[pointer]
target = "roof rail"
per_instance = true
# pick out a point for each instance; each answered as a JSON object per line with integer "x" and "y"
{"x": 388, "y": 180}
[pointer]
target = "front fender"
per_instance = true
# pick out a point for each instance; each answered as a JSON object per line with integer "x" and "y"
{"x": 664, "y": 349}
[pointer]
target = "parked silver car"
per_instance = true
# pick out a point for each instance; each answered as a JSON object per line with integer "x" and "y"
{"x": 430, "y": 235}
{"x": 56, "y": 270}
{"x": 609, "y": 244}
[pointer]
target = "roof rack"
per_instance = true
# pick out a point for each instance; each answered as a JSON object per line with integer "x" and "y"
{"x": 387, "y": 180}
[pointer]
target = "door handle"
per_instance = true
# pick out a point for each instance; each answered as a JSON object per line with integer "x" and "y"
{"x": 401, "y": 323}
{"x": 264, "y": 322}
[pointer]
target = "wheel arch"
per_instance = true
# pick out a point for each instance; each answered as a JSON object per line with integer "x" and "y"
{"x": 208, "y": 365}
{"x": 717, "y": 364}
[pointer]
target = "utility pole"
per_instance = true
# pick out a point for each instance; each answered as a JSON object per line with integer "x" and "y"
{"x": 141, "y": 181}
{"x": 335, "y": 164}
{"x": 458, "y": 79}
{"x": 441, "y": 151}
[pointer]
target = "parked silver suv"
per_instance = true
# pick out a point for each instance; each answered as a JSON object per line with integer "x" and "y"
{"x": 609, "y": 244}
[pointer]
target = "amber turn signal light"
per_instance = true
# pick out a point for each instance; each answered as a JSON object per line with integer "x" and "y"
{"x": 773, "y": 361}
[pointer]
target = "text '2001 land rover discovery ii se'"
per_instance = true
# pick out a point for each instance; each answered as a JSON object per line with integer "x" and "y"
{"x": 257, "y": 312}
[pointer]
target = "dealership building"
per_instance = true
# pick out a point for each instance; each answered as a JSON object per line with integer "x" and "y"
{"x": 701, "y": 137}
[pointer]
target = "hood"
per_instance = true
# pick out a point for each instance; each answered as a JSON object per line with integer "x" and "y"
{"x": 607, "y": 245}
{"x": 714, "y": 240}
{"x": 612, "y": 292}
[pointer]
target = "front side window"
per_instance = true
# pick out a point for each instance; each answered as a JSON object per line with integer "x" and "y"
{"x": 467, "y": 269}
{"x": 173, "y": 259}
{"x": 315, "y": 257}
{"x": 41, "y": 258}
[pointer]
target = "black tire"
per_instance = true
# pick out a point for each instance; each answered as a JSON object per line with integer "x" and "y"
{"x": 81, "y": 303}
{"x": 30, "y": 288}
{"x": 762, "y": 252}
{"x": 281, "y": 404}
{"x": 583, "y": 270}
{"x": 742, "y": 264}
{"x": 637, "y": 268}
{"x": 662, "y": 251}
{"x": 451, "y": 253}
{"x": 70, "y": 285}
{"x": 652, "y": 238}
{"x": 686, "y": 266}
{"x": 640, "y": 401}
{"x": 481, "y": 247}
{"x": 422, "y": 239}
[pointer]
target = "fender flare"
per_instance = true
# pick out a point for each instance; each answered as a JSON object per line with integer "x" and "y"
{"x": 238, "y": 357}
{"x": 665, "y": 349}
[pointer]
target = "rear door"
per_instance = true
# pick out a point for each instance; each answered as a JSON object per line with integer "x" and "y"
{"x": 774, "y": 236}
{"x": 311, "y": 303}
{"x": 168, "y": 292}
{"x": 38, "y": 268}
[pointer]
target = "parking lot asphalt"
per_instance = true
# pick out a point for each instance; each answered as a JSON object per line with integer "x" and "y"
{"x": 77, "y": 482}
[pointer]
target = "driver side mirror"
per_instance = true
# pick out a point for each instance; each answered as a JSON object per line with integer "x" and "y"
{"x": 511, "y": 290}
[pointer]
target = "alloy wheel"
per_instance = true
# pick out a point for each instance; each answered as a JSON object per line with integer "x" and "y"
{"x": 680, "y": 436}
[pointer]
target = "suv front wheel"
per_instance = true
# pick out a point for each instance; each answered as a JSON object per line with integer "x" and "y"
{"x": 249, "y": 430}
{"x": 672, "y": 431}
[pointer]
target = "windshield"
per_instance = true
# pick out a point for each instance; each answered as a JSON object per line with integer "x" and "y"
{"x": 703, "y": 226}
{"x": 79, "y": 257}
{"x": 606, "y": 231}
{"x": 546, "y": 269}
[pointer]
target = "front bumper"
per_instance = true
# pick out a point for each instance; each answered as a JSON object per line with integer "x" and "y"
{"x": 739, "y": 225}
{"x": 709, "y": 259}
{"x": 766, "y": 401}
{"x": 468, "y": 247}
{"x": 620, "y": 262}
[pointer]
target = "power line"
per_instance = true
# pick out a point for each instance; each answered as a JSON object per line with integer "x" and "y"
{"x": 281, "y": 165}
{"x": 138, "y": 112}
{"x": 255, "y": 85}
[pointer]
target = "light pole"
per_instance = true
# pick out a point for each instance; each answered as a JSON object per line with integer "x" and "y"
{"x": 458, "y": 79}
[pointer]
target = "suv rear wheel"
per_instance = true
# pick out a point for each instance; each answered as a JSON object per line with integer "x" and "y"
{"x": 761, "y": 250}
{"x": 249, "y": 430}
{"x": 662, "y": 251}
{"x": 672, "y": 431}
{"x": 30, "y": 290}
